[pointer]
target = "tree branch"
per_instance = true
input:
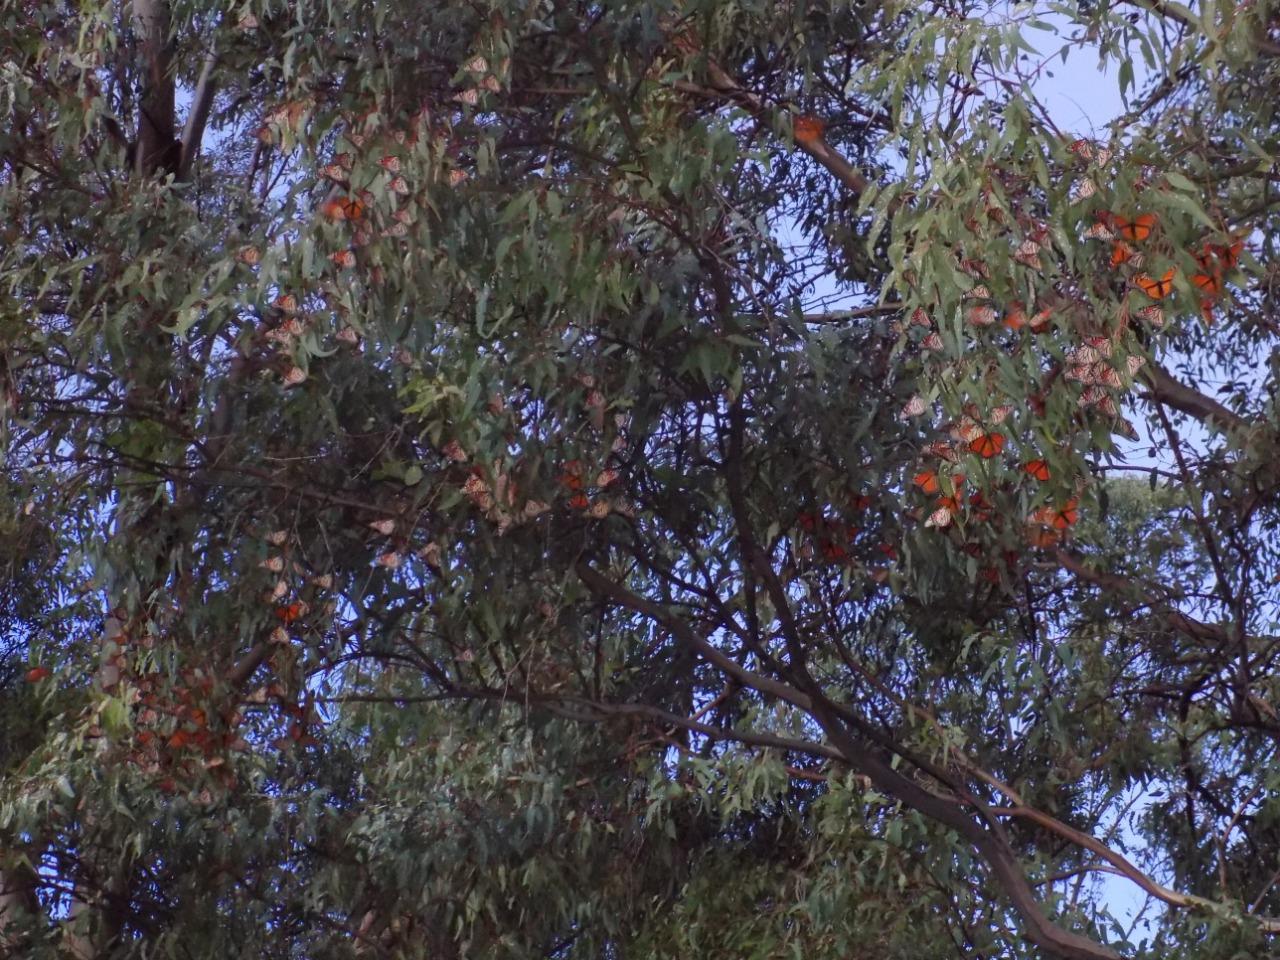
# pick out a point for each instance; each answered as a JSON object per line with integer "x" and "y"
{"x": 193, "y": 132}
{"x": 1168, "y": 390}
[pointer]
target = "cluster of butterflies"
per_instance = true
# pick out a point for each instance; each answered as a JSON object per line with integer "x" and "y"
{"x": 1045, "y": 526}
{"x": 833, "y": 538}
{"x": 1213, "y": 261}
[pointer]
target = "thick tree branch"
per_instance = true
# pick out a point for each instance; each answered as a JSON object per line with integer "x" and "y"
{"x": 1168, "y": 390}
{"x": 202, "y": 102}
{"x": 1122, "y": 586}
{"x": 156, "y": 141}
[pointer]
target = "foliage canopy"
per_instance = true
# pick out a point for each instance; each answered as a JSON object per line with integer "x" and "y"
{"x": 647, "y": 479}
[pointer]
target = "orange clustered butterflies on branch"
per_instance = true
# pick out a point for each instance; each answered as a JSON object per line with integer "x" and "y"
{"x": 1213, "y": 261}
{"x": 840, "y": 536}
{"x": 1088, "y": 354}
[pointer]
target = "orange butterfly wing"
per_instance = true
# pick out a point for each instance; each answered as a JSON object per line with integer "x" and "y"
{"x": 1138, "y": 228}
{"x": 1121, "y": 253}
{"x": 1210, "y": 283}
{"x": 1068, "y": 515}
{"x": 1155, "y": 289}
{"x": 988, "y": 445}
{"x": 927, "y": 481}
{"x": 1037, "y": 469}
{"x": 289, "y": 613}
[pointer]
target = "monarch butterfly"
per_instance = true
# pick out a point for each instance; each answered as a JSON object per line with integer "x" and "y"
{"x": 932, "y": 342}
{"x": 1152, "y": 315}
{"x": 1082, "y": 148}
{"x": 1230, "y": 255}
{"x": 579, "y": 501}
{"x": 286, "y": 303}
{"x": 942, "y": 450}
{"x": 1068, "y": 516}
{"x": 1155, "y": 289}
{"x": 964, "y": 430}
{"x": 291, "y": 612}
{"x": 950, "y": 504}
{"x": 1122, "y": 253}
{"x": 1103, "y": 373}
{"x": 981, "y": 506}
{"x": 1099, "y": 231}
{"x": 807, "y": 129}
{"x": 981, "y": 316}
{"x": 1016, "y": 317}
{"x": 344, "y": 259}
{"x": 988, "y": 445}
{"x": 927, "y": 481}
{"x": 1092, "y": 395}
{"x": 914, "y": 408}
{"x": 390, "y": 163}
{"x": 1138, "y": 228}
{"x": 1028, "y": 254}
{"x": 1040, "y": 322}
{"x": 834, "y": 552}
{"x": 1214, "y": 255}
{"x": 1083, "y": 189}
{"x": 1037, "y": 469}
{"x": 1079, "y": 372}
{"x": 1103, "y": 345}
{"x": 940, "y": 518}
{"x": 1042, "y": 536}
{"x": 1210, "y": 283}
{"x": 1082, "y": 355}
{"x": 1057, "y": 518}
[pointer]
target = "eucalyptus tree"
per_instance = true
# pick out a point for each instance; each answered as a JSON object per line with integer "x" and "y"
{"x": 636, "y": 479}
